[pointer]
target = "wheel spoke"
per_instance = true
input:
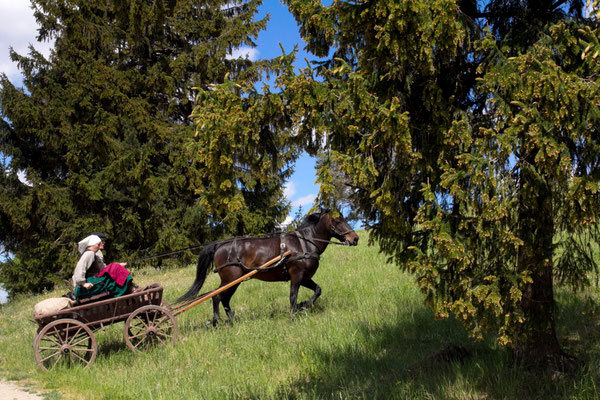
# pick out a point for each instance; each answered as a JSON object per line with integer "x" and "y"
{"x": 50, "y": 339}
{"x": 142, "y": 321}
{"x": 138, "y": 335}
{"x": 50, "y": 356}
{"x": 167, "y": 335}
{"x": 139, "y": 328}
{"x": 158, "y": 334}
{"x": 74, "y": 337}
{"x": 83, "y": 339}
{"x": 57, "y": 334}
{"x": 165, "y": 328}
{"x": 58, "y": 359}
{"x": 166, "y": 319}
{"x": 66, "y": 333}
{"x": 82, "y": 349}
{"x": 48, "y": 348}
{"x": 140, "y": 342}
{"x": 79, "y": 357}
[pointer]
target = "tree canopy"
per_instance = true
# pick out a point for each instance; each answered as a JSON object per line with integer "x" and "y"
{"x": 468, "y": 132}
{"x": 103, "y": 135}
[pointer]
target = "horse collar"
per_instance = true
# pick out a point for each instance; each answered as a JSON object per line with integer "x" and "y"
{"x": 305, "y": 254}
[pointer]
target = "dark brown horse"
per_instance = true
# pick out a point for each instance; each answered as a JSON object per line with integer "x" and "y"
{"x": 235, "y": 257}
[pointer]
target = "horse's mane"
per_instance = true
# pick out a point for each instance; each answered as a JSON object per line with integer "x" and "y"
{"x": 310, "y": 220}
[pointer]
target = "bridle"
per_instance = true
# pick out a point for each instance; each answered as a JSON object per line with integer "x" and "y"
{"x": 335, "y": 232}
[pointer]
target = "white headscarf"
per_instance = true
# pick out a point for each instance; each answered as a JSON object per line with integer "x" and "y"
{"x": 87, "y": 242}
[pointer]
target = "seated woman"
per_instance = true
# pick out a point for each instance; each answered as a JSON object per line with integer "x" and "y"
{"x": 91, "y": 277}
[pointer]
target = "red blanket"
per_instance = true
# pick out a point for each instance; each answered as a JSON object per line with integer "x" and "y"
{"x": 118, "y": 273}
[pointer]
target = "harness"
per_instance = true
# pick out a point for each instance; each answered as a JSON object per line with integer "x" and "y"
{"x": 233, "y": 257}
{"x": 305, "y": 254}
{"x": 237, "y": 260}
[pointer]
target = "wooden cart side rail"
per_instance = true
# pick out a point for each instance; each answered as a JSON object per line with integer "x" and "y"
{"x": 107, "y": 311}
{"x": 94, "y": 326}
{"x": 97, "y": 323}
{"x": 186, "y": 306}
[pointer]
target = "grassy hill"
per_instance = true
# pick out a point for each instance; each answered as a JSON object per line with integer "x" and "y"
{"x": 368, "y": 337}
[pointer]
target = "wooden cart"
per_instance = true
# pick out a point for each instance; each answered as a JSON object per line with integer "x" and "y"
{"x": 67, "y": 336}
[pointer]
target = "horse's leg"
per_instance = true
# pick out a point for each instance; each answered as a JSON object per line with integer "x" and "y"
{"x": 228, "y": 274}
{"x": 216, "y": 317}
{"x": 310, "y": 284}
{"x": 295, "y": 280}
{"x": 225, "y": 297}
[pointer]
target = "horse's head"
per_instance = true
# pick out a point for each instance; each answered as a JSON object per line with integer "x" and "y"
{"x": 340, "y": 229}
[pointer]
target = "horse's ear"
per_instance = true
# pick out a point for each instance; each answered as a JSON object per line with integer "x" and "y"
{"x": 333, "y": 212}
{"x": 313, "y": 218}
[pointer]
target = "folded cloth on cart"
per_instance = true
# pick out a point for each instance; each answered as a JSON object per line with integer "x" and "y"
{"x": 52, "y": 305}
{"x": 116, "y": 271}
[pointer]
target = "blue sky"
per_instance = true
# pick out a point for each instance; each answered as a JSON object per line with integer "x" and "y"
{"x": 282, "y": 28}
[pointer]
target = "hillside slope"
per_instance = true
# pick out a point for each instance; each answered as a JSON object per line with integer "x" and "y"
{"x": 368, "y": 336}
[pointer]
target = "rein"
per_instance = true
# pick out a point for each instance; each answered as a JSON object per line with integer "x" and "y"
{"x": 312, "y": 240}
{"x": 167, "y": 254}
{"x": 326, "y": 241}
{"x": 337, "y": 233}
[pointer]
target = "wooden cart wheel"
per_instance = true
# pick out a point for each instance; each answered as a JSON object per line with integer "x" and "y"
{"x": 150, "y": 325}
{"x": 65, "y": 341}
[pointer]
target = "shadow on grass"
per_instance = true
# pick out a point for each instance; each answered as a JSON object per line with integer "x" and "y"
{"x": 397, "y": 362}
{"x": 108, "y": 347}
{"x": 196, "y": 324}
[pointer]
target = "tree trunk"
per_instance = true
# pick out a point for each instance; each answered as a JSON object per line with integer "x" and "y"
{"x": 537, "y": 344}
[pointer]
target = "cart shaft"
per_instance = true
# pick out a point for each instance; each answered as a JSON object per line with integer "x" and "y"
{"x": 215, "y": 292}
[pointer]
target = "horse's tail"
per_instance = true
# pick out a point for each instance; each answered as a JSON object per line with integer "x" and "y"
{"x": 205, "y": 260}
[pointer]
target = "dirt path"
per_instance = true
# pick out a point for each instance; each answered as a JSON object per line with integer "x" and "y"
{"x": 10, "y": 391}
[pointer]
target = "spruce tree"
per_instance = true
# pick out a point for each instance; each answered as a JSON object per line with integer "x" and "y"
{"x": 469, "y": 134}
{"x": 102, "y": 129}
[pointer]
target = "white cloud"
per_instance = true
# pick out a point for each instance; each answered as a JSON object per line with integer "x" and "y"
{"x": 289, "y": 190}
{"x": 17, "y": 29}
{"x": 305, "y": 200}
{"x": 288, "y": 220}
{"x": 23, "y": 177}
{"x": 244, "y": 52}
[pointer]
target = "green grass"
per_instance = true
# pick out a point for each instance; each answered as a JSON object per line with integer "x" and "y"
{"x": 368, "y": 337}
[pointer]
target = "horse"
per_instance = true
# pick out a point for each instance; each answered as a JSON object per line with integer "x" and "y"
{"x": 235, "y": 257}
